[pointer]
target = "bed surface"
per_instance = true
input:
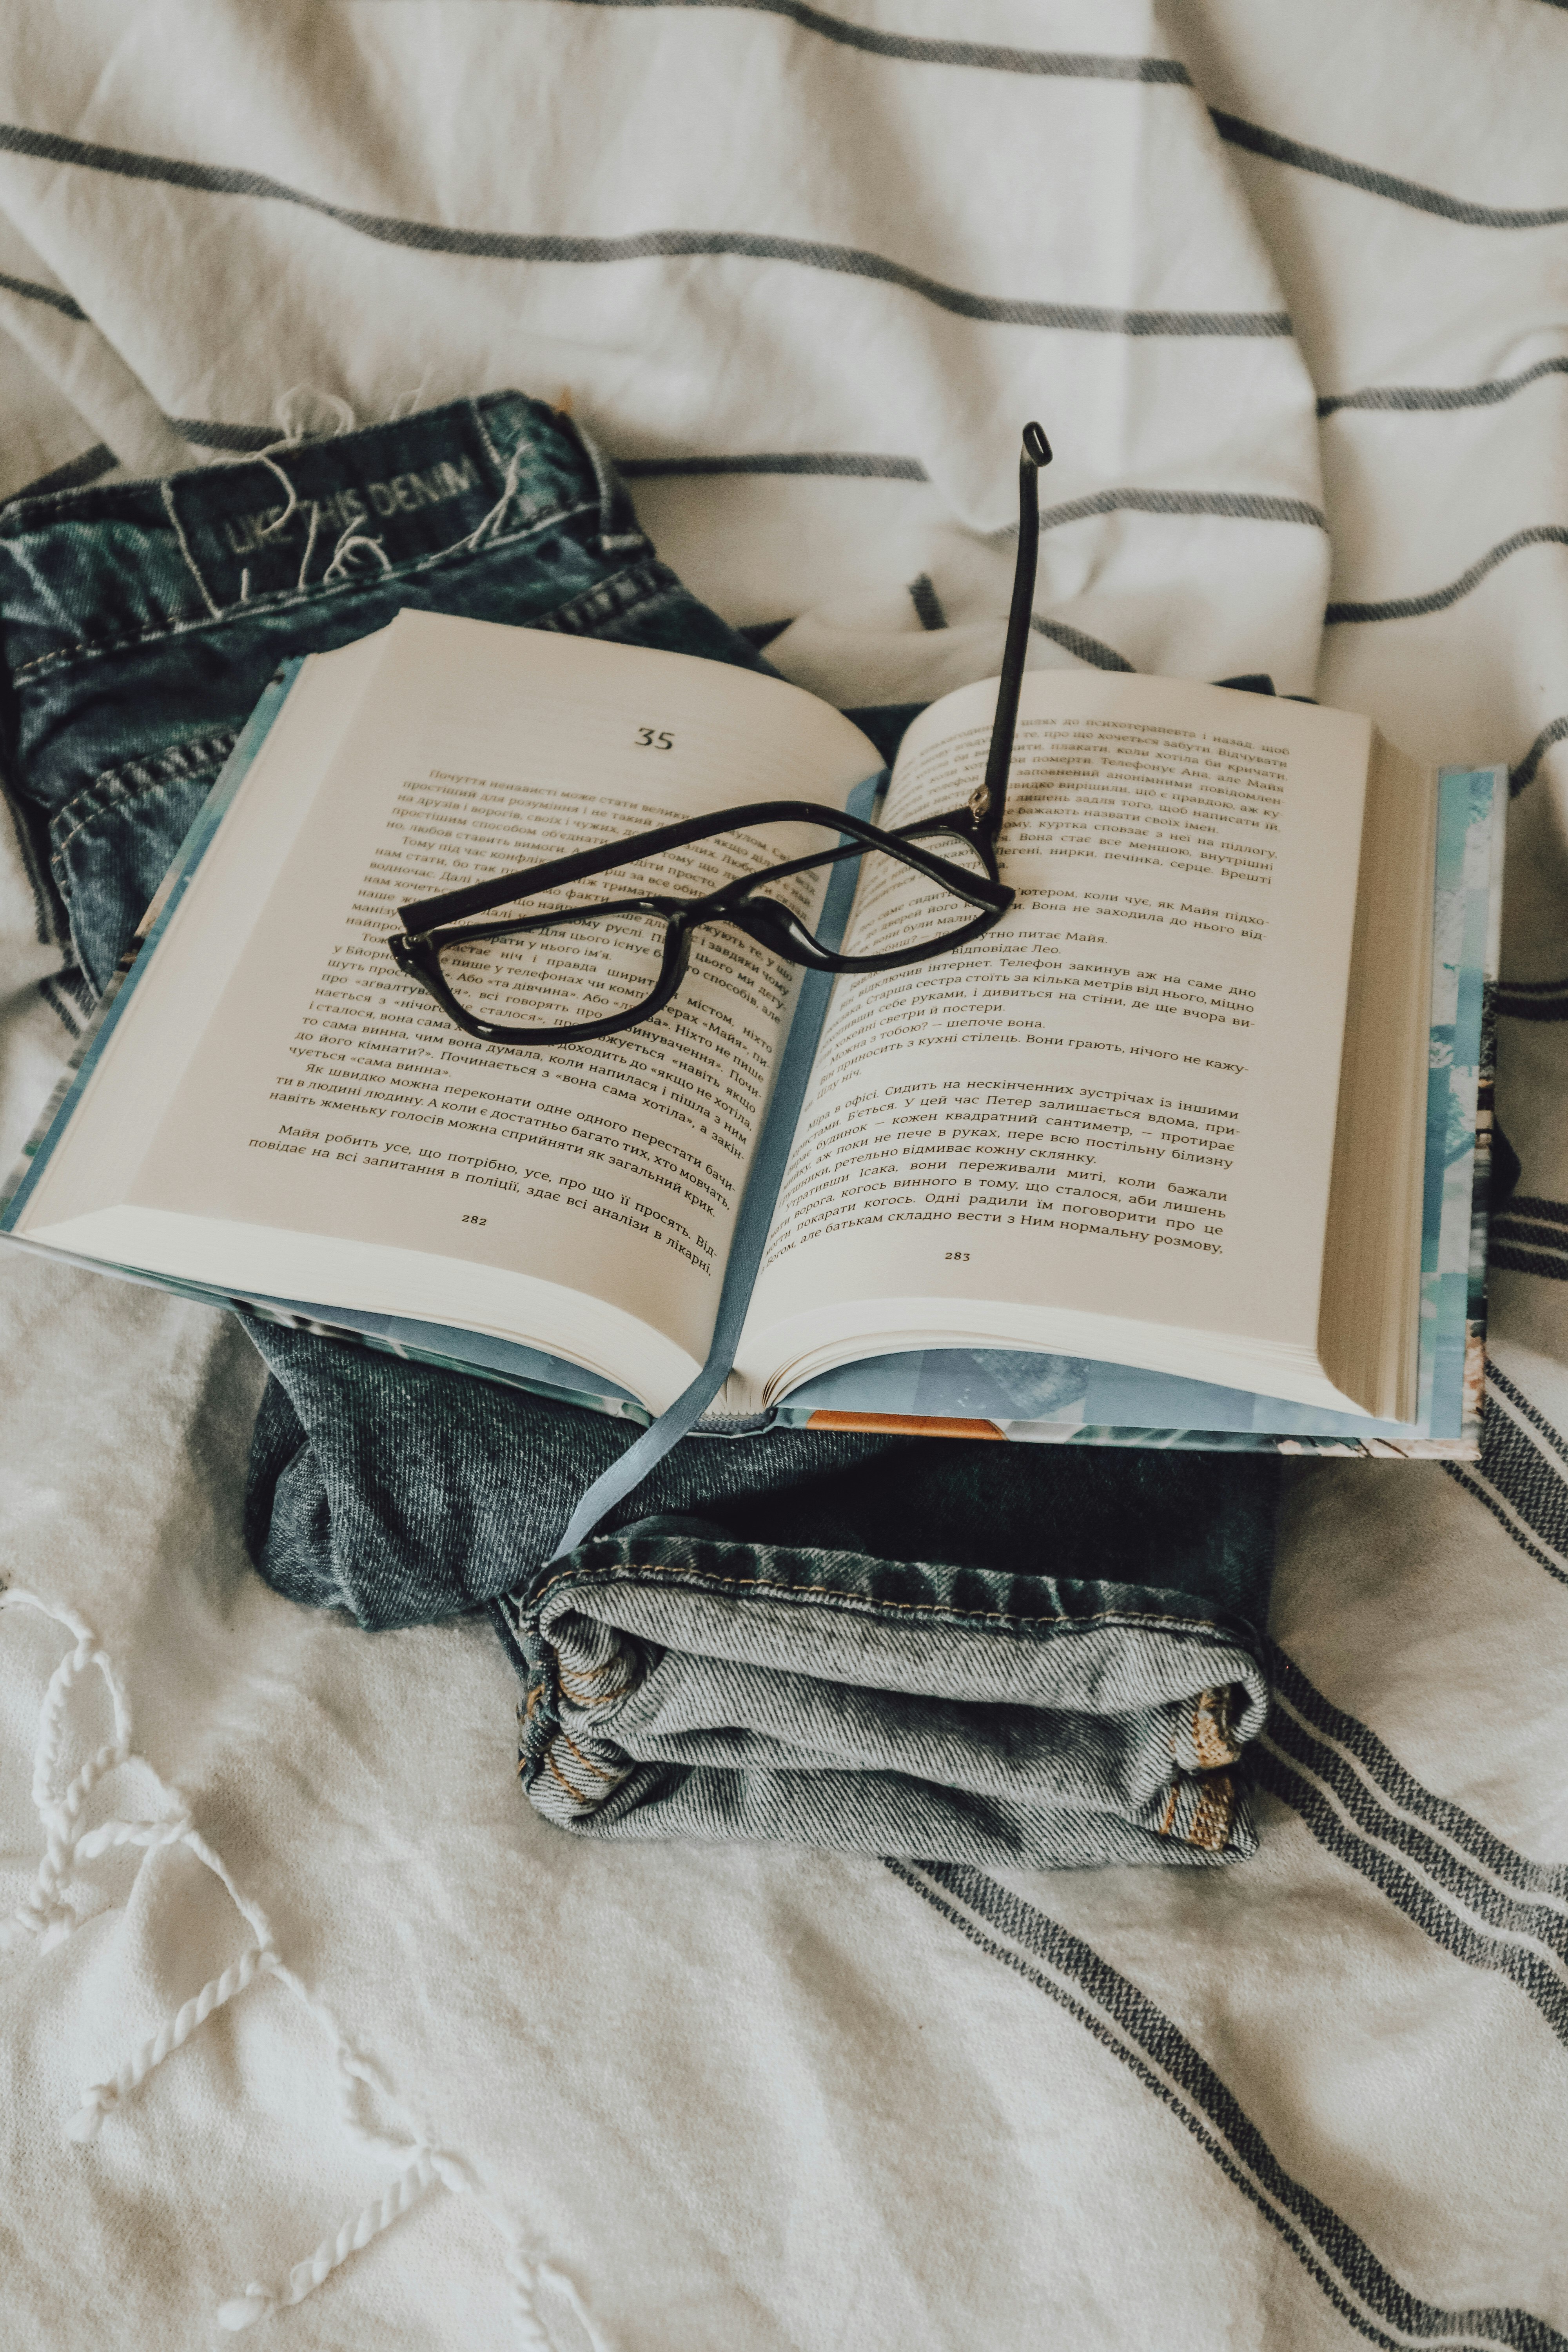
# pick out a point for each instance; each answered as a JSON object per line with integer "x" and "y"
{"x": 1286, "y": 289}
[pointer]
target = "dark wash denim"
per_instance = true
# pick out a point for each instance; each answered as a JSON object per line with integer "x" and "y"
{"x": 919, "y": 1646}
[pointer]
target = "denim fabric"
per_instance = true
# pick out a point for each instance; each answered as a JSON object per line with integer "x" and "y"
{"x": 925, "y": 1647}
{"x": 680, "y": 1683}
{"x": 142, "y": 620}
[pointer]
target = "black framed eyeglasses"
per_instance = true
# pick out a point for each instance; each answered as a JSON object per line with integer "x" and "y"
{"x": 517, "y": 981}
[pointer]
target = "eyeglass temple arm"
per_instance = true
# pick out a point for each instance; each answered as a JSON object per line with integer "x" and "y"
{"x": 480, "y": 897}
{"x": 1036, "y": 452}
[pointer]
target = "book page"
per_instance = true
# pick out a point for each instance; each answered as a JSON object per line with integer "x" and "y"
{"x": 330, "y": 1100}
{"x": 1119, "y": 1102}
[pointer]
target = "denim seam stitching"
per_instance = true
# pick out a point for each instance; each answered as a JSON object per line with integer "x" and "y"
{"x": 283, "y": 598}
{"x": 1210, "y": 1825}
{"x": 596, "y": 1698}
{"x": 602, "y": 592}
{"x": 182, "y": 625}
{"x": 576, "y": 1795}
{"x": 587, "y": 1763}
{"x": 1132, "y": 1619}
{"x": 120, "y": 768}
{"x": 107, "y": 783}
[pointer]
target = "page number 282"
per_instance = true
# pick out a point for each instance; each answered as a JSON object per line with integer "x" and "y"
{"x": 650, "y": 738}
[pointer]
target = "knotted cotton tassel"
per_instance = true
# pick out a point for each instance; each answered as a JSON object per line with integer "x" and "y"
{"x": 44, "y": 1914}
{"x": 259, "y": 1960}
{"x": 411, "y": 2184}
{"x": 99, "y": 2097}
{"x": 430, "y": 2165}
{"x": 526, "y": 2277}
{"x": 48, "y": 1916}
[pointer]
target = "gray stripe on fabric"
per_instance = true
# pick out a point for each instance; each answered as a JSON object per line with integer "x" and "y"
{"x": 61, "y": 1001}
{"x": 1462, "y": 1478}
{"x": 1242, "y": 506}
{"x": 1525, "y": 1232}
{"x": 1543, "y": 1232}
{"x": 1528, "y": 1486}
{"x": 1129, "y": 2025}
{"x": 789, "y": 461}
{"x": 1508, "y": 1259}
{"x": 1538, "y": 1212}
{"x": 926, "y": 603}
{"x": 1238, "y": 132}
{"x": 1537, "y": 1917}
{"x": 1552, "y": 732}
{"x": 1070, "y": 64}
{"x": 203, "y": 433}
{"x": 649, "y": 245}
{"x": 1521, "y": 1469}
{"x": 1499, "y": 1377}
{"x": 1442, "y": 397}
{"x": 31, "y": 291}
{"x": 1385, "y": 1769}
{"x": 1078, "y": 640}
{"x": 1410, "y": 608}
{"x": 92, "y": 463}
{"x": 1531, "y": 1973}
{"x": 1512, "y": 1004}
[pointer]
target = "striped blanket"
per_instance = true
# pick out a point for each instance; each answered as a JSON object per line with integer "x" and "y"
{"x": 359, "y": 2048}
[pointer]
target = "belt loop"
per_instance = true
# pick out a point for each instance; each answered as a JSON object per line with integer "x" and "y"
{"x": 619, "y": 533}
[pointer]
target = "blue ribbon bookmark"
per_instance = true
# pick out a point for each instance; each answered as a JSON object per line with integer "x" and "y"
{"x": 755, "y": 1214}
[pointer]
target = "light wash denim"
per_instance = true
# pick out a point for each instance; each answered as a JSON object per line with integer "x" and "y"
{"x": 925, "y": 1647}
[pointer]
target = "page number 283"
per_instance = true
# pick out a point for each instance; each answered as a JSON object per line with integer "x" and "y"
{"x": 650, "y": 738}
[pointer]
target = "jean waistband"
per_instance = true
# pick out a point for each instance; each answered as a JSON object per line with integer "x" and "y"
{"x": 94, "y": 566}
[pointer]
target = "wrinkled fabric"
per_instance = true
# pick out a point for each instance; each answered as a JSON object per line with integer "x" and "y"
{"x": 763, "y": 2096}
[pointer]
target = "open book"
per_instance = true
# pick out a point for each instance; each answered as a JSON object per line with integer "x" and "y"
{"x": 1170, "y": 1112}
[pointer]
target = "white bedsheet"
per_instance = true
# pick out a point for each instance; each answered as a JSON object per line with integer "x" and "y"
{"x": 718, "y": 2098}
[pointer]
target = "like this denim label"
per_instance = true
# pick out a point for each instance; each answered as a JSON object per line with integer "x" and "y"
{"x": 373, "y": 502}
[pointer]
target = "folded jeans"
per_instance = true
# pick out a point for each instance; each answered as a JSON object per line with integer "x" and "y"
{"x": 827, "y": 1635}
{"x": 679, "y": 1684}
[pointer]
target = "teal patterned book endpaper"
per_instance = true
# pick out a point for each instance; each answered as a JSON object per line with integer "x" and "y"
{"x": 1066, "y": 1400}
